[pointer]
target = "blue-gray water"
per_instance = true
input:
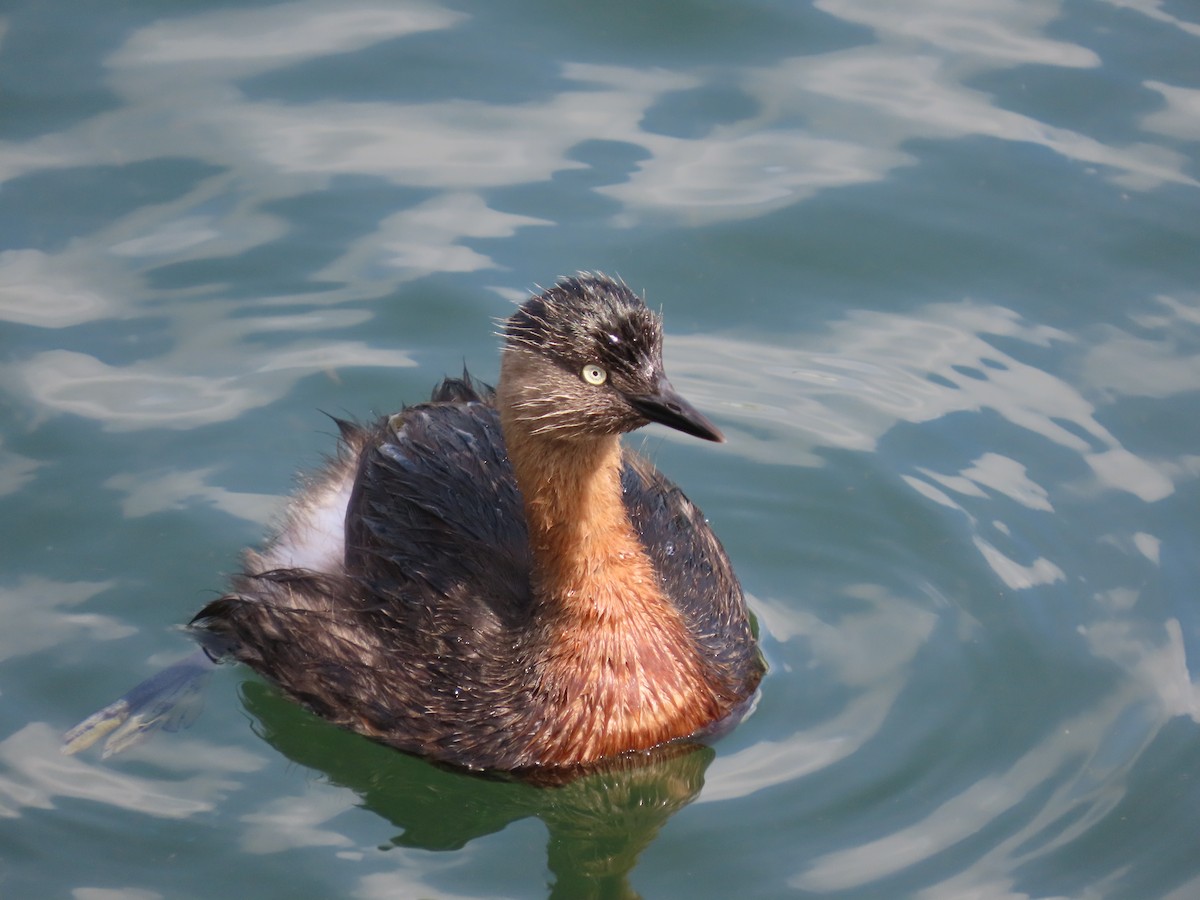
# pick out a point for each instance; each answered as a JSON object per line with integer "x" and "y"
{"x": 933, "y": 266}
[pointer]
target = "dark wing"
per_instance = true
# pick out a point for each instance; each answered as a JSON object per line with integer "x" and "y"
{"x": 694, "y": 569}
{"x": 435, "y": 530}
{"x": 436, "y": 577}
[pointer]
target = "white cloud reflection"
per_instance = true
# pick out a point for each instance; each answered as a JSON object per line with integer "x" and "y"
{"x": 1180, "y": 118}
{"x": 1015, "y": 575}
{"x": 408, "y": 880}
{"x": 154, "y": 395}
{"x": 1004, "y": 32}
{"x": 152, "y": 492}
{"x": 237, "y": 43}
{"x": 171, "y": 239}
{"x": 425, "y": 239}
{"x": 37, "y": 288}
{"x": 1153, "y": 9}
{"x": 1010, "y": 478}
{"x": 38, "y": 613}
{"x": 1118, "y": 364}
{"x": 36, "y": 773}
{"x": 15, "y": 471}
{"x": 289, "y": 823}
{"x": 743, "y": 171}
{"x": 125, "y": 893}
{"x": 1160, "y": 668}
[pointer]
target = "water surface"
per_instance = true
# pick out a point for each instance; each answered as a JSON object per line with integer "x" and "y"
{"x": 933, "y": 268}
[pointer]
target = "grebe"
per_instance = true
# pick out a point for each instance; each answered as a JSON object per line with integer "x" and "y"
{"x": 488, "y": 579}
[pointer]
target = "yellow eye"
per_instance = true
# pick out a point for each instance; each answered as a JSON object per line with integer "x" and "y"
{"x": 593, "y": 374}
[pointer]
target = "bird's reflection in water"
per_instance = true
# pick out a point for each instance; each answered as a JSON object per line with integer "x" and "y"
{"x": 599, "y": 819}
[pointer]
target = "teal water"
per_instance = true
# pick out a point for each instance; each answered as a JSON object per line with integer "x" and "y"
{"x": 934, "y": 267}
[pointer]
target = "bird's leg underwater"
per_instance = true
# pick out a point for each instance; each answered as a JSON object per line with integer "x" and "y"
{"x": 169, "y": 700}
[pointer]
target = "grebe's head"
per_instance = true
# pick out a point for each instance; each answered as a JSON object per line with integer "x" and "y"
{"x": 584, "y": 358}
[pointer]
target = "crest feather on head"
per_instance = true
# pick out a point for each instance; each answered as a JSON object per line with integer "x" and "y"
{"x": 587, "y": 317}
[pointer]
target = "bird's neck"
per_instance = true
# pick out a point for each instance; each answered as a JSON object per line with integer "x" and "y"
{"x": 616, "y": 660}
{"x": 579, "y": 530}
{"x": 570, "y": 481}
